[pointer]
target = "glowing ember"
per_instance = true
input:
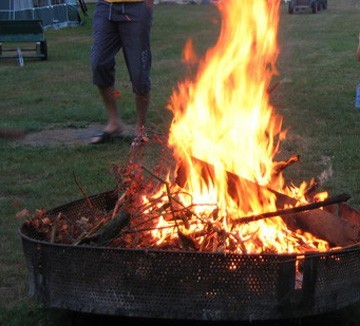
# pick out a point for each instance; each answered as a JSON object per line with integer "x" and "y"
{"x": 224, "y": 118}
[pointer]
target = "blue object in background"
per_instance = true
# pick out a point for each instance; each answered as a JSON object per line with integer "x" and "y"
{"x": 357, "y": 99}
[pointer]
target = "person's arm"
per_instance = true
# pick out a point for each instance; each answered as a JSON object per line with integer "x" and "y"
{"x": 358, "y": 50}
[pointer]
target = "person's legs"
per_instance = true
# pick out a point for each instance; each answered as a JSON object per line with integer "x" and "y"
{"x": 106, "y": 44}
{"x": 115, "y": 127}
{"x": 129, "y": 28}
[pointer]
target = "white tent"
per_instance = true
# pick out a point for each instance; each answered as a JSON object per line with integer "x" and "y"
{"x": 53, "y": 13}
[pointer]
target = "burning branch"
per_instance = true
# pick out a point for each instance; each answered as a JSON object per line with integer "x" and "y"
{"x": 186, "y": 241}
{"x": 233, "y": 180}
{"x": 297, "y": 209}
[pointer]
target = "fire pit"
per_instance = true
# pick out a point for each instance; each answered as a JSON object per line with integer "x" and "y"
{"x": 225, "y": 238}
{"x": 188, "y": 285}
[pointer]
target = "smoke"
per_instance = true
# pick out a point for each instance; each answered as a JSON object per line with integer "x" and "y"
{"x": 328, "y": 172}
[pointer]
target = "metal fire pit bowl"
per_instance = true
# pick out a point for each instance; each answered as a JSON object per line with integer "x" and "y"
{"x": 188, "y": 285}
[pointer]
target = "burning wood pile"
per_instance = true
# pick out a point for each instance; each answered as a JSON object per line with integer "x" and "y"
{"x": 166, "y": 222}
{"x": 225, "y": 192}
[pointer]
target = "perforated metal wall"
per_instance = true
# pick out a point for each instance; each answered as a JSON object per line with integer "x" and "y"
{"x": 187, "y": 285}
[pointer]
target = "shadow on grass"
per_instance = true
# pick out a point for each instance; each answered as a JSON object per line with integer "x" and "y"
{"x": 30, "y": 314}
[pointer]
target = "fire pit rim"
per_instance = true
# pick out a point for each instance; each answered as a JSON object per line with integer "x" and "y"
{"x": 292, "y": 256}
{"x": 112, "y": 194}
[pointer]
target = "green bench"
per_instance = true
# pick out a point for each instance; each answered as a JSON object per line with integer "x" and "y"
{"x": 23, "y": 31}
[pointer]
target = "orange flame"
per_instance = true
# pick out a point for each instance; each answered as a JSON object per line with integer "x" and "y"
{"x": 224, "y": 116}
{"x": 224, "y": 126}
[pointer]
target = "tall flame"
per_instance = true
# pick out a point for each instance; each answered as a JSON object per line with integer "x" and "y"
{"x": 224, "y": 116}
{"x": 225, "y": 133}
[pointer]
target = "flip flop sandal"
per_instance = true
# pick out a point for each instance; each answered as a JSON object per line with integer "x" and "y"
{"x": 102, "y": 137}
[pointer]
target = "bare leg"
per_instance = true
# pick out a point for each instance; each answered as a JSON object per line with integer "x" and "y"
{"x": 142, "y": 106}
{"x": 114, "y": 122}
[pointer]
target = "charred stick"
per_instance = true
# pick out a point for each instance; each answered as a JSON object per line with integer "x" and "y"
{"x": 326, "y": 202}
{"x": 170, "y": 197}
{"x": 167, "y": 191}
{"x": 90, "y": 204}
{"x": 186, "y": 241}
{"x": 53, "y": 232}
{"x": 275, "y": 85}
{"x": 151, "y": 203}
{"x": 133, "y": 229}
{"x": 91, "y": 232}
{"x": 312, "y": 188}
{"x": 148, "y": 229}
{"x": 118, "y": 204}
{"x": 109, "y": 230}
{"x": 233, "y": 182}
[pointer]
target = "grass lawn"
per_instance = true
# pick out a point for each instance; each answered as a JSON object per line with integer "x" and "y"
{"x": 317, "y": 59}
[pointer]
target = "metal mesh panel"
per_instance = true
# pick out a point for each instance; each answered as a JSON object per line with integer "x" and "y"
{"x": 336, "y": 275}
{"x": 186, "y": 285}
{"x": 53, "y": 13}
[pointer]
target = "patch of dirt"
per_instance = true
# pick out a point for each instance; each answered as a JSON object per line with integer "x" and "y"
{"x": 56, "y": 137}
